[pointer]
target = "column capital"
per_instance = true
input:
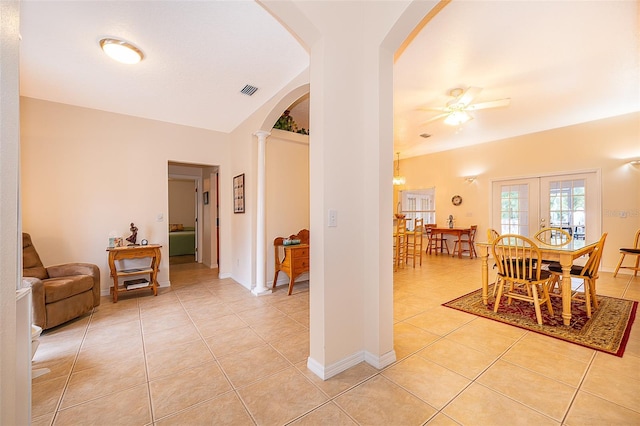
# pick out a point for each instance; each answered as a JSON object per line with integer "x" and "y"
{"x": 262, "y": 134}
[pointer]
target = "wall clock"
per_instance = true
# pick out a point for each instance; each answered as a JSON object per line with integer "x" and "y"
{"x": 456, "y": 200}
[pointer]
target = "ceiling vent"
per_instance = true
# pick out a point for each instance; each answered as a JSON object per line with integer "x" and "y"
{"x": 249, "y": 90}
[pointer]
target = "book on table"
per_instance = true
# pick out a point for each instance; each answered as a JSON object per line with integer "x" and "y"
{"x": 137, "y": 283}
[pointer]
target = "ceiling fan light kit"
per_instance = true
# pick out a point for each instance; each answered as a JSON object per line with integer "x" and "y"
{"x": 457, "y": 118}
{"x": 456, "y": 111}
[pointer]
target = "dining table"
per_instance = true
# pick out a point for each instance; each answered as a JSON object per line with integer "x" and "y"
{"x": 565, "y": 255}
{"x": 457, "y": 232}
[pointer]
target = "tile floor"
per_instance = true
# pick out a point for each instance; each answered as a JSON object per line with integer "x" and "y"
{"x": 206, "y": 351}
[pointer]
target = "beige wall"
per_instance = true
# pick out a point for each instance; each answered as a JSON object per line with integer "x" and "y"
{"x": 604, "y": 145}
{"x": 182, "y": 203}
{"x": 87, "y": 173}
{"x": 287, "y": 190}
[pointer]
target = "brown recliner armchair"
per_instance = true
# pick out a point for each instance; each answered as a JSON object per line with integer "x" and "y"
{"x": 62, "y": 292}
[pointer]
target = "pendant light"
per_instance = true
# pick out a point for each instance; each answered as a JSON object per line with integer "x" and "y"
{"x": 397, "y": 179}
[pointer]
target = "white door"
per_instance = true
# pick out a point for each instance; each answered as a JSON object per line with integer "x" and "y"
{"x": 566, "y": 201}
{"x": 516, "y": 206}
{"x": 572, "y": 201}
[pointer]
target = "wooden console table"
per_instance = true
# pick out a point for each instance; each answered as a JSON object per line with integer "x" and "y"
{"x": 151, "y": 251}
{"x": 296, "y": 257}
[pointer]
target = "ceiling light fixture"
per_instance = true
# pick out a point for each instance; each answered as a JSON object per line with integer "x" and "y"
{"x": 457, "y": 118}
{"x": 397, "y": 179}
{"x": 121, "y": 51}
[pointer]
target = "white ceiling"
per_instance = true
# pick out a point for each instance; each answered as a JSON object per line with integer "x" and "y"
{"x": 560, "y": 62}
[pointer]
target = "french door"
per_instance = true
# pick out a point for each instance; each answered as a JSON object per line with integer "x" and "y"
{"x": 571, "y": 201}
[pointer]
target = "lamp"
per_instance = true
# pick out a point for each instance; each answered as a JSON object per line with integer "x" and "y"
{"x": 121, "y": 51}
{"x": 457, "y": 118}
{"x": 397, "y": 179}
{"x": 470, "y": 179}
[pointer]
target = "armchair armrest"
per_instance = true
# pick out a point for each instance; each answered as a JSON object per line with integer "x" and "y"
{"x": 37, "y": 299}
{"x": 70, "y": 269}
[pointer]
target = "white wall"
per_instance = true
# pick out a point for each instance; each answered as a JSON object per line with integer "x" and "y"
{"x": 604, "y": 145}
{"x": 86, "y": 173}
{"x": 13, "y": 410}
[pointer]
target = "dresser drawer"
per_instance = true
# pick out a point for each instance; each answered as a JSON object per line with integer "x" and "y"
{"x": 300, "y": 264}
{"x": 302, "y": 252}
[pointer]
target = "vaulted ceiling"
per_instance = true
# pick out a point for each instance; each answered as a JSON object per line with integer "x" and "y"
{"x": 560, "y": 63}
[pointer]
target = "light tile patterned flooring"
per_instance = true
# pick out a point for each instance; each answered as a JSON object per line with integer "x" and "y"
{"x": 207, "y": 351}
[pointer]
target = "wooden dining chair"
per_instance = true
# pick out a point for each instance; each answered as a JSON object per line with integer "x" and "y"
{"x": 466, "y": 244}
{"x": 587, "y": 273}
{"x": 518, "y": 259}
{"x": 435, "y": 242}
{"x": 631, "y": 251}
{"x": 414, "y": 242}
{"x": 553, "y": 236}
{"x": 492, "y": 235}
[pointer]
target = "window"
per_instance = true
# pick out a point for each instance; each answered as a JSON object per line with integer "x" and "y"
{"x": 418, "y": 203}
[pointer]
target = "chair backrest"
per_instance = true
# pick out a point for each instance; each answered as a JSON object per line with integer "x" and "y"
{"x": 517, "y": 258}
{"x": 553, "y": 236}
{"x": 472, "y": 233}
{"x": 591, "y": 268}
{"x": 418, "y": 226}
{"x": 492, "y": 234}
{"x": 401, "y": 226}
{"x": 636, "y": 241}
{"x": 31, "y": 264}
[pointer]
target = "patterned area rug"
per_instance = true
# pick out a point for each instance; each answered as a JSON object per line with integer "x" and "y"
{"x": 607, "y": 330}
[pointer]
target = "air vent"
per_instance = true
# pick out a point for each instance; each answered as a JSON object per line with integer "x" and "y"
{"x": 425, "y": 135}
{"x": 249, "y": 90}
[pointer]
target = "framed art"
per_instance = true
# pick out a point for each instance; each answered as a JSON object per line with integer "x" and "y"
{"x": 238, "y": 194}
{"x": 205, "y": 197}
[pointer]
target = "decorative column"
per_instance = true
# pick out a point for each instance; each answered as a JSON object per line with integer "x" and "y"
{"x": 261, "y": 257}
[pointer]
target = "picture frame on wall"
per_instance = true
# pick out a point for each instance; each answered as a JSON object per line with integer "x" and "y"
{"x": 238, "y": 194}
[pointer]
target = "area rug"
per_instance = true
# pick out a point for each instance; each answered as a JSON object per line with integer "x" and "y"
{"x": 607, "y": 330}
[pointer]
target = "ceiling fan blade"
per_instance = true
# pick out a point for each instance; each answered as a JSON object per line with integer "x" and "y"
{"x": 468, "y": 96}
{"x": 489, "y": 104}
{"x": 436, "y": 117}
{"x": 441, "y": 109}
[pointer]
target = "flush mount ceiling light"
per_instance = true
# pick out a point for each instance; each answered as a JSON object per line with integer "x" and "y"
{"x": 121, "y": 51}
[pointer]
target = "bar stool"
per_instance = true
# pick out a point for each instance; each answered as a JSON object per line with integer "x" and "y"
{"x": 400, "y": 243}
{"x": 414, "y": 242}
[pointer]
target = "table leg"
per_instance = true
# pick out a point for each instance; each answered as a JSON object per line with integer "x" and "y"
{"x": 460, "y": 245}
{"x": 484, "y": 256}
{"x": 565, "y": 262}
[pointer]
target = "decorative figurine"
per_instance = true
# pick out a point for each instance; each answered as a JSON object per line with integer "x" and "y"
{"x": 450, "y": 221}
{"x": 134, "y": 235}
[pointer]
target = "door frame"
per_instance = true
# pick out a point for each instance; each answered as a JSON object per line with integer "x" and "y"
{"x": 199, "y": 210}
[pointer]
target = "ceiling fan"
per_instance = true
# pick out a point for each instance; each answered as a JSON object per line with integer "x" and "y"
{"x": 456, "y": 112}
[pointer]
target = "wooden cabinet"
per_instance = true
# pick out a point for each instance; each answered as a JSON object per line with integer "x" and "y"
{"x": 294, "y": 263}
{"x": 117, "y": 254}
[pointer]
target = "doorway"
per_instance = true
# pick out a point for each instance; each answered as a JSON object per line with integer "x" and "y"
{"x": 568, "y": 201}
